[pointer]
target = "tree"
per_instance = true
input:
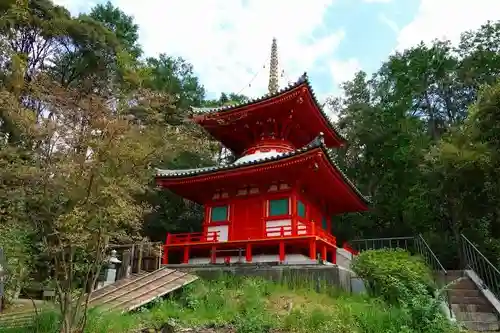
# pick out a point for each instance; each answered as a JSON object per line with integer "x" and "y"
{"x": 82, "y": 179}
{"x": 226, "y": 99}
{"x": 420, "y": 150}
{"x": 175, "y": 76}
{"x": 121, "y": 24}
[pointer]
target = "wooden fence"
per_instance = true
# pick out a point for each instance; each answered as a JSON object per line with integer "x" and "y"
{"x": 138, "y": 257}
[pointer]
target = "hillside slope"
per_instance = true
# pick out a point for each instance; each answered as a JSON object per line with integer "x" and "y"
{"x": 252, "y": 305}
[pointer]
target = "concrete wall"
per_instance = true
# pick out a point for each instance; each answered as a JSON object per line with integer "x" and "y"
{"x": 344, "y": 259}
{"x": 319, "y": 276}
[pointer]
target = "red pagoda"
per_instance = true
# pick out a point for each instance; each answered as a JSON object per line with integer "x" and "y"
{"x": 275, "y": 202}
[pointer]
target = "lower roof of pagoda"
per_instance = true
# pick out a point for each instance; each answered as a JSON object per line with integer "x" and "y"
{"x": 311, "y": 167}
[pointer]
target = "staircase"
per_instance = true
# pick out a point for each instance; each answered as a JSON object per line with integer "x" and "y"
{"x": 133, "y": 292}
{"x": 474, "y": 297}
{"x": 470, "y": 307}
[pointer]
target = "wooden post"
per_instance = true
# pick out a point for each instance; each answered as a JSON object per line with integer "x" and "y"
{"x": 124, "y": 270}
{"x": 213, "y": 255}
{"x": 160, "y": 257}
{"x": 312, "y": 249}
{"x": 282, "y": 251}
{"x": 132, "y": 257}
{"x": 139, "y": 261}
{"x": 248, "y": 253}
{"x": 295, "y": 214}
{"x": 264, "y": 218}
{"x": 334, "y": 255}
{"x": 165, "y": 256}
{"x": 186, "y": 255}
{"x": 323, "y": 252}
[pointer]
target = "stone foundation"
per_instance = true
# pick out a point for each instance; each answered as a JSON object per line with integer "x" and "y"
{"x": 316, "y": 275}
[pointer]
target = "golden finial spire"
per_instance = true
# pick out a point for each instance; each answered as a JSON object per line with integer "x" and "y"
{"x": 273, "y": 69}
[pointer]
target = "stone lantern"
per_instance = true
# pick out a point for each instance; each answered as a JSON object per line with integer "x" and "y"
{"x": 110, "y": 270}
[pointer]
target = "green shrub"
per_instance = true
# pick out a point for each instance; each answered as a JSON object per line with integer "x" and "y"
{"x": 405, "y": 281}
{"x": 392, "y": 273}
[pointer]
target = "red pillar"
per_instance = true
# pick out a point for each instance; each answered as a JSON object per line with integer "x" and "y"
{"x": 264, "y": 217}
{"x": 312, "y": 249}
{"x": 282, "y": 251}
{"x": 230, "y": 227}
{"x": 248, "y": 253}
{"x": 294, "y": 214}
{"x": 213, "y": 255}
{"x": 334, "y": 255}
{"x": 165, "y": 256}
{"x": 186, "y": 255}
{"x": 323, "y": 252}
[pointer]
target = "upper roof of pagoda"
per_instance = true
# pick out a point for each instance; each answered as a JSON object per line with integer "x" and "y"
{"x": 319, "y": 173}
{"x": 292, "y": 114}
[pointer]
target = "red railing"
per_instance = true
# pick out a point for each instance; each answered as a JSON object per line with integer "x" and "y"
{"x": 193, "y": 237}
{"x": 285, "y": 230}
{"x": 302, "y": 229}
{"x": 326, "y": 236}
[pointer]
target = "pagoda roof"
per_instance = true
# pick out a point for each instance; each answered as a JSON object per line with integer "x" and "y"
{"x": 262, "y": 159}
{"x": 302, "y": 81}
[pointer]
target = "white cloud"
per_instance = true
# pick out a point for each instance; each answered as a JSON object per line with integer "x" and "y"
{"x": 343, "y": 71}
{"x": 446, "y": 19}
{"x": 377, "y": 1}
{"x": 228, "y": 41}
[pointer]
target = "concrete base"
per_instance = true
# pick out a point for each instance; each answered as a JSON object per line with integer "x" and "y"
{"x": 344, "y": 259}
{"x": 290, "y": 259}
{"x": 316, "y": 275}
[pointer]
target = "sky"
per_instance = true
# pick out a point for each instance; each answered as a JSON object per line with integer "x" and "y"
{"x": 229, "y": 41}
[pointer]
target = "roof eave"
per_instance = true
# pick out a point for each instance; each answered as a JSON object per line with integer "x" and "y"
{"x": 303, "y": 79}
{"x": 318, "y": 142}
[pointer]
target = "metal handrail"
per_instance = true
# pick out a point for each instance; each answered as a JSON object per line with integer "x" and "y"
{"x": 441, "y": 278}
{"x": 384, "y": 239}
{"x": 476, "y": 261}
{"x": 380, "y": 243}
{"x": 432, "y": 254}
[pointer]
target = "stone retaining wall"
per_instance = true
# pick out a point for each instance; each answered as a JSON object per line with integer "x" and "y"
{"x": 318, "y": 275}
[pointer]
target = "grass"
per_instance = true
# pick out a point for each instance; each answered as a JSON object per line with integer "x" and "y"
{"x": 253, "y": 305}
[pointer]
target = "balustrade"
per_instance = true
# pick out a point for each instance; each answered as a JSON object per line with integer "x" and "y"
{"x": 278, "y": 231}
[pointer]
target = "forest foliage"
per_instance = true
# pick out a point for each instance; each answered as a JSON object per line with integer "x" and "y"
{"x": 85, "y": 116}
{"x": 423, "y": 143}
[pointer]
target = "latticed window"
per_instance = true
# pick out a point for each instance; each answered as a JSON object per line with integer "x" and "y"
{"x": 218, "y": 214}
{"x": 301, "y": 208}
{"x": 279, "y": 207}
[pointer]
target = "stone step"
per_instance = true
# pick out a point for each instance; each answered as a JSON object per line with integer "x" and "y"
{"x": 464, "y": 293}
{"x": 476, "y": 316}
{"x": 464, "y": 284}
{"x": 480, "y": 326}
{"x": 469, "y": 300}
{"x": 471, "y": 308}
